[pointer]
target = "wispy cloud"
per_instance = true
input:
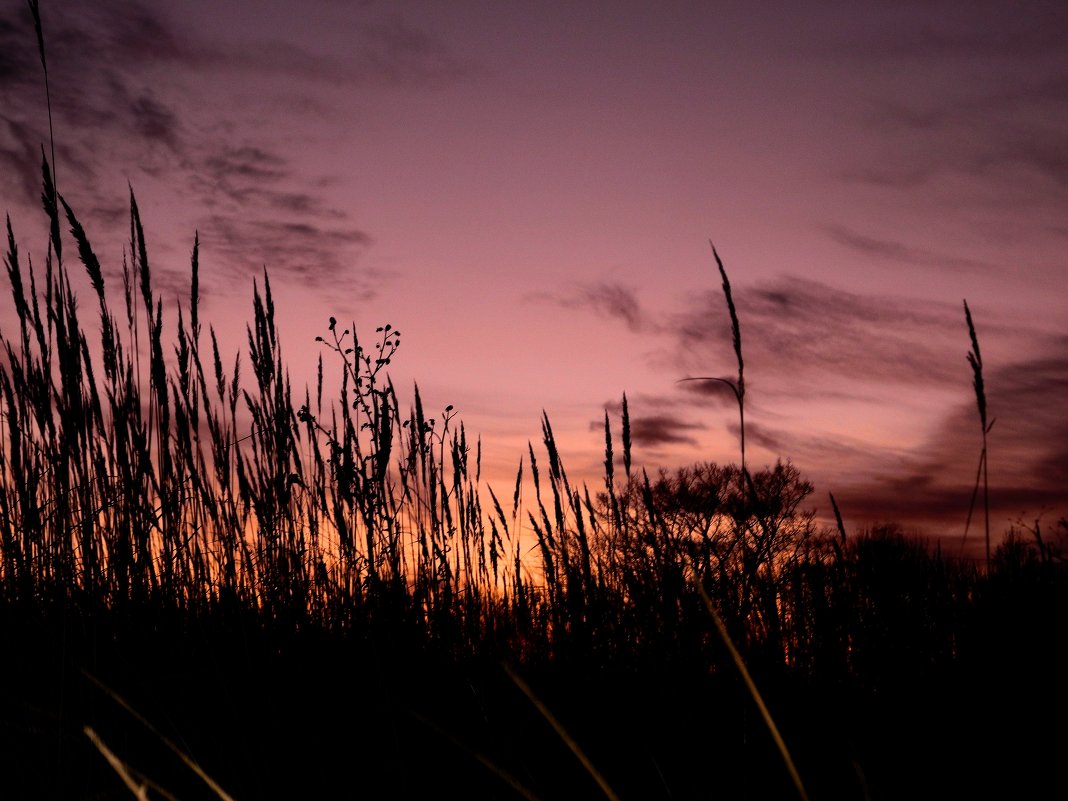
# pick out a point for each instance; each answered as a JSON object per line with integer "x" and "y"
{"x": 309, "y": 252}
{"x": 607, "y": 299}
{"x": 982, "y": 130}
{"x": 985, "y": 29}
{"x": 926, "y": 486}
{"x": 389, "y": 51}
{"x": 20, "y": 153}
{"x": 125, "y": 82}
{"x": 154, "y": 121}
{"x": 247, "y": 163}
{"x": 1009, "y": 139}
{"x": 812, "y": 344}
{"x": 398, "y": 51}
{"x": 900, "y": 253}
{"x": 810, "y": 335}
{"x": 1030, "y": 436}
{"x": 655, "y": 422}
{"x": 708, "y": 390}
{"x": 662, "y": 429}
{"x": 932, "y": 483}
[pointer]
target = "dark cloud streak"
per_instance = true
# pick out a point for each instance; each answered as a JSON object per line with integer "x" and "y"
{"x": 390, "y": 52}
{"x": 993, "y": 111}
{"x": 656, "y": 430}
{"x": 664, "y": 425}
{"x": 940, "y": 30}
{"x": 932, "y": 485}
{"x": 311, "y": 253}
{"x": 820, "y": 332}
{"x": 124, "y": 80}
{"x": 606, "y": 299}
{"x": 899, "y": 252}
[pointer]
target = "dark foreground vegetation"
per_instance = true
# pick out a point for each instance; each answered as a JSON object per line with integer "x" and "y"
{"x": 312, "y": 596}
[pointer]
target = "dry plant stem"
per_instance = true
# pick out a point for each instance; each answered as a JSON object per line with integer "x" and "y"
{"x": 738, "y": 386}
{"x": 140, "y": 791}
{"x": 190, "y": 763}
{"x": 561, "y": 732}
{"x": 481, "y": 758}
{"x": 975, "y": 359}
{"x": 36, "y": 12}
{"x": 736, "y": 338}
{"x": 838, "y": 518}
{"x": 971, "y": 502}
{"x": 753, "y": 691}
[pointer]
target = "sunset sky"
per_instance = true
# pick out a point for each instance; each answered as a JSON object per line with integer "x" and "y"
{"x": 528, "y": 191}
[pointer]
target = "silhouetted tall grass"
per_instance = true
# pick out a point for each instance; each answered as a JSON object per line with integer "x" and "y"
{"x": 149, "y": 481}
{"x": 975, "y": 360}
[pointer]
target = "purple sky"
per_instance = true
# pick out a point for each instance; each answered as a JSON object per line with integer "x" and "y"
{"x": 527, "y": 191}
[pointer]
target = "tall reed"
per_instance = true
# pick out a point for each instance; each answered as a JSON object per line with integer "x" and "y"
{"x": 737, "y": 386}
{"x": 975, "y": 359}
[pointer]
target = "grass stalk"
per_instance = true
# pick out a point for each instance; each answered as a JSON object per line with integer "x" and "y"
{"x": 975, "y": 359}
{"x": 139, "y": 789}
{"x": 737, "y": 385}
{"x": 35, "y": 11}
{"x": 502, "y": 774}
{"x": 561, "y": 732}
{"x": 185, "y": 758}
{"x": 750, "y": 685}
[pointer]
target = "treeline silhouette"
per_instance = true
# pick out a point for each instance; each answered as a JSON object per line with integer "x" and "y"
{"x": 317, "y": 592}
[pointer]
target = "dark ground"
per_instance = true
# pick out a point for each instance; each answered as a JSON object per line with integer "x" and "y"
{"x": 380, "y": 715}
